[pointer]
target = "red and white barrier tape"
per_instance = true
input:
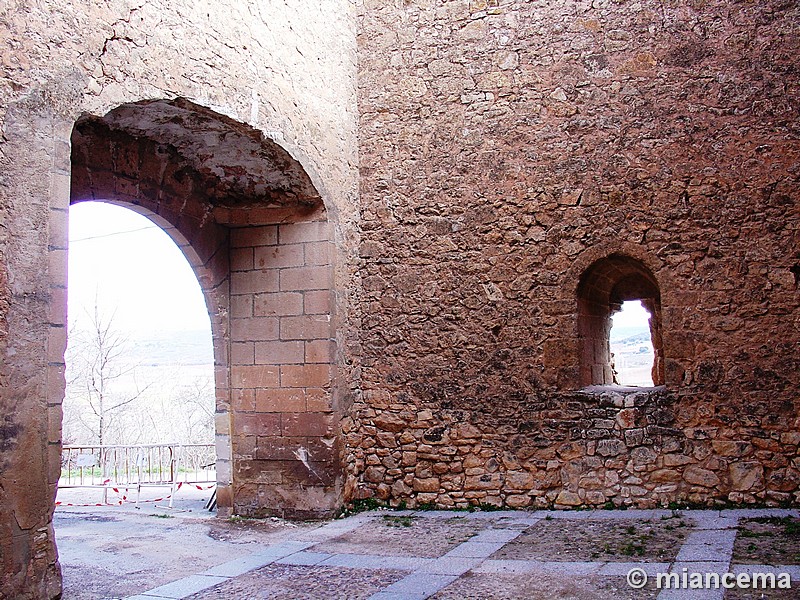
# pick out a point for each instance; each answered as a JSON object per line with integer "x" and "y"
{"x": 124, "y": 498}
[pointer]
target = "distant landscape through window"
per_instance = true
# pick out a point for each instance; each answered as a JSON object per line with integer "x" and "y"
{"x": 631, "y": 345}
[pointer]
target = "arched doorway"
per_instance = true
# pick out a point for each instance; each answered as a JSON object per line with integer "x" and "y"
{"x": 140, "y": 367}
{"x": 255, "y": 231}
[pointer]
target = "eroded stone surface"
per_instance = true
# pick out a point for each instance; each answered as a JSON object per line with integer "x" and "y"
{"x": 508, "y": 146}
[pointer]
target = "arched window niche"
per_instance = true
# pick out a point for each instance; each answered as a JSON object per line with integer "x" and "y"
{"x": 603, "y": 287}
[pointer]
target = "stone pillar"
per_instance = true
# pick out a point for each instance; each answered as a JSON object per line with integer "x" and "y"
{"x": 34, "y": 198}
{"x": 284, "y": 428}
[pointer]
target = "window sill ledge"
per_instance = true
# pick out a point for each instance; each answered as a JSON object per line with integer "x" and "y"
{"x": 620, "y": 389}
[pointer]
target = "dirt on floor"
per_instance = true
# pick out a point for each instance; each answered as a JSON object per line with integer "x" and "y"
{"x": 289, "y": 582}
{"x": 791, "y": 594}
{"x": 618, "y": 540}
{"x": 404, "y": 536}
{"x": 540, "y": 586}
{"x": 768, "y": 541}
{"x": 113, "y": 552}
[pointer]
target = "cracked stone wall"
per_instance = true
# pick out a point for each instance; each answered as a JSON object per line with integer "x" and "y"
{"x": 505, "y": 146}
{"x": 285, "y": 69}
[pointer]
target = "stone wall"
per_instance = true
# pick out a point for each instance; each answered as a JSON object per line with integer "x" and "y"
{"x": 508, "y": 146}
{"x": 280, "y": 69}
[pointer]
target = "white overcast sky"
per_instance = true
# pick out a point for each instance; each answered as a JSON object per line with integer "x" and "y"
{"x": 134, "y": 269}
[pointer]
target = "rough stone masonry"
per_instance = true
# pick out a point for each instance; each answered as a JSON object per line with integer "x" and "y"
{"x": 412, "y": 221}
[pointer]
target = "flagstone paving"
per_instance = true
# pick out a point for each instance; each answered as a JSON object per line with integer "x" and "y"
{"x": 413, "y": 555}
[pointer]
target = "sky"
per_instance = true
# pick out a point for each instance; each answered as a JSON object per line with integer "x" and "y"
{"x": 633, "y": 314}
{"x": 134, "y": 270}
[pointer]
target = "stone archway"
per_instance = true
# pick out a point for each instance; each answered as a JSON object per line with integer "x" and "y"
{"x": 603, "y": 287}
{"x": 256, "y": 232}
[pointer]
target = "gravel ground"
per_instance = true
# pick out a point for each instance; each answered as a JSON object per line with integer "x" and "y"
{"x": 287, "y": 582}
{"x": 628, "y": 540}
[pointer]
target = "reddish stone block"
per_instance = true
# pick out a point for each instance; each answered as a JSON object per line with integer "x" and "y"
{"x": 242, "y": 306}
{"x": 222, "y": 215}
{"x": 53, "y": 466}
{"x": 318, "y": 400}
{"x": 258, "y": 471}
{"x": 58, "y": 228}
{"x": 255, "y": 329}
{"x": 268, "y": 215}
{"x": 254, "y": 424}
{"x": 296, "y": 233}
{"x": 254, "y": 376}
{"x": 57, "y": 260}
{"x": 301, "y": 473}
{"x": 254, "y": 236}
{"x": 307, "y": 424}
{"x": 276, "y": 448}
{"x": 254, "y": 282}
{"x": 239, "y": 217}
{"x": 320, "y": 351}
{"x": 318, "y": 302}
{"x": 279, "y": 353}
{"x": 242, "y": 259}
{"x": 307, "y": 327}
{"x": 56, "y": 343}
{"x": 243, "y": 400}
{"x": 277, "y": 257}
{"x": 243, "y": 353}
{"x": 281, "y": 400}
{"x": 244, "y": 446}
{"x": 305, "y": 278}
{"x": 304, "y": 376}
{"x": 58, "y": 306}
{"x": 318, "y": 253}
{"x": 278, "y": 304}
{"x": 56, "y": 382}
{"x": 295, "y": 448}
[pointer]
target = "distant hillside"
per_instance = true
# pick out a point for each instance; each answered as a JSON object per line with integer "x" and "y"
{"x": 630, "y": 334}
{"x": 172, "y": 348}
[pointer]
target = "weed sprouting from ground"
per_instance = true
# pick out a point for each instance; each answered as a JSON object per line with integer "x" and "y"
{"x": 398, "y": 521}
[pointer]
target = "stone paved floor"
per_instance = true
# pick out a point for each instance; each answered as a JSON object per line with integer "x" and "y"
{"x": 408, "y": 555}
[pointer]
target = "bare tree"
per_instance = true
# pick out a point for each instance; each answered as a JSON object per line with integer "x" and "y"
{"x": 95, "y": 365}
{"x": 197, "y": 403}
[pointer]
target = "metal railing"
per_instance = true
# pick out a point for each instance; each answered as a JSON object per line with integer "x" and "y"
{"x": 128, "y": 467}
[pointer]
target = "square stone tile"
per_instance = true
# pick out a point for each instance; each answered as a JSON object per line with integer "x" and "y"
{"x": 236, "y": 567}
{"x": 370, "y": 561}
{"x": 704, "y": 552}
{"x": 472, "y": 549}
{"x": 619, "y": 569}
{"x": 303, "y": 558}
{"x": 186, "y": 586}
{"x": 450, "y": 565}
{"x": 425, "y": 584}
{"x": 495, "y": 535}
